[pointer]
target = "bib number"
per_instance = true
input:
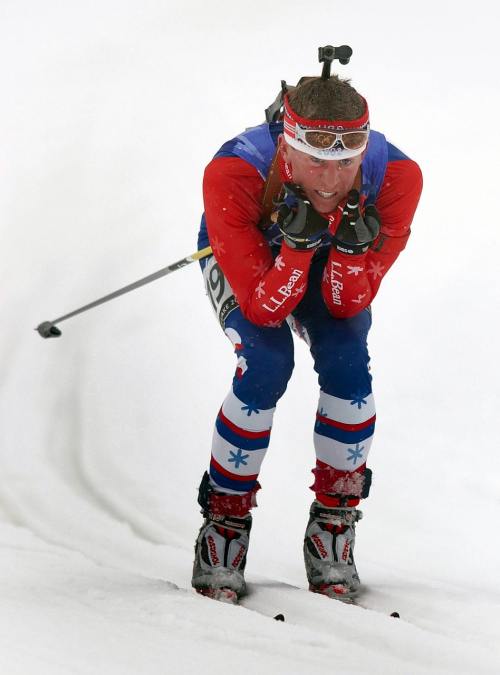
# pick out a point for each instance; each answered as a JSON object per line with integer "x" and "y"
{"x": 219, "y": 291}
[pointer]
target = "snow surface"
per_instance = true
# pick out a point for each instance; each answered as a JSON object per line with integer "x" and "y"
{"x": 110, "y": 111}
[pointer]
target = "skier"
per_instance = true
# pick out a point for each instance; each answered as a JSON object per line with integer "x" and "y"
{"x": 305, "y": 215}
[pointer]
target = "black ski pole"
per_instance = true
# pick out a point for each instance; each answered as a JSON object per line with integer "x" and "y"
{"x": 48, "y": 329}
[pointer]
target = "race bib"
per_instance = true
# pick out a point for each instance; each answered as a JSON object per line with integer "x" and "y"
{"x": 219, "y": 291}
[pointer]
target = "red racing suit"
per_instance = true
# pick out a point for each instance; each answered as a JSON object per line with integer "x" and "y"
{"x": 269, "y": 287}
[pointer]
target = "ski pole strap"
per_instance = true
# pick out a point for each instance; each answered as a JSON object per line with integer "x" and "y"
{"x": 48, "y": 329}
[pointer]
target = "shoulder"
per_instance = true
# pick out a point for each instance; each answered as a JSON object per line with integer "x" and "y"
{"x": 233, "y": 177}
{"x": 402, "y": 167}
{"x": 403, "y": 178}
{"x": 232, "y": 189}
{"x": 400, "y": 192}
{"x": 221, "y": 168}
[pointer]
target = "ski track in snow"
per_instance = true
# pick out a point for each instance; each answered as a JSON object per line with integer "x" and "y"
{"x": 104, "y": 565}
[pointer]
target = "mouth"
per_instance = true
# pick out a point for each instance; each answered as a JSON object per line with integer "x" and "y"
{"x": 325, "y": 195}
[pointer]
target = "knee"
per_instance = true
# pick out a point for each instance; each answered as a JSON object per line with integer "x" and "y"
{"x": 267, "y": 368}
{"x": 343, "y": 356}
{"x": 274, "y": 368}
{"x": 278, "y": 367}
{"x": 343, "y": 367}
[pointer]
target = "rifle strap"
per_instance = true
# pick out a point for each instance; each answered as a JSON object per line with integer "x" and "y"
{"x": 272, "y": 190}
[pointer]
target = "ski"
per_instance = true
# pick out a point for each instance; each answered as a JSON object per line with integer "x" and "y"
{"x": 226, "y": 595}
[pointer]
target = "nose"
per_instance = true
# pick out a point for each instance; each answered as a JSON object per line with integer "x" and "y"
{"x": 331, "y": 175}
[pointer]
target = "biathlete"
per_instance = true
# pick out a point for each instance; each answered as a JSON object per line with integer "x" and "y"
{"x": 305, "y": 215}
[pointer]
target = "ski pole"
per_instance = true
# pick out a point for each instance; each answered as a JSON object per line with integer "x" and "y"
{"x": 48, "y": 329}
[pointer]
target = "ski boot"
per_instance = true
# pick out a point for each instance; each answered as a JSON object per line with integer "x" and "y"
{"x": 222, "y": 544}
{"x": 328, "y": 551}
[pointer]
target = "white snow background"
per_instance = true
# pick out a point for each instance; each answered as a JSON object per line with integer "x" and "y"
{"x": 109, "y": 113}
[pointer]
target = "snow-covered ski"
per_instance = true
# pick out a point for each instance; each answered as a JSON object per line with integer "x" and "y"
{"x": 226, "y": 595}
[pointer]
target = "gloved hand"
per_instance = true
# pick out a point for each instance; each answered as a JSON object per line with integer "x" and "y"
{"x": 356, "y": 232}
{"x": 300, "y": 224}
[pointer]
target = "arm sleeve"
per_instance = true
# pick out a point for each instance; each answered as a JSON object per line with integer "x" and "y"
{"x": 350, "y": 282}
{"x": 267, "y": 290}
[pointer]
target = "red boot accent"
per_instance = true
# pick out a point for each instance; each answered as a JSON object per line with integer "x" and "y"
{"x": 233, "y": 505}
{"x": 332, "y": 486}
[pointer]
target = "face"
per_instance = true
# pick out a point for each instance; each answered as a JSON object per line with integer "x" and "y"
{"x": 325, "y": 181}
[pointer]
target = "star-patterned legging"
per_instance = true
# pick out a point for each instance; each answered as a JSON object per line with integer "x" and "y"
{"x": 345, "y": 419}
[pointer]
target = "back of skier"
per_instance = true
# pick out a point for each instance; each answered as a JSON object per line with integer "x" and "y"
{"x": 347, "y": 198}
